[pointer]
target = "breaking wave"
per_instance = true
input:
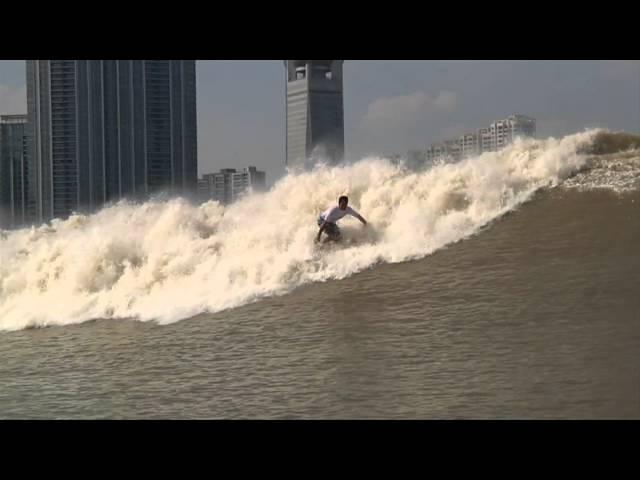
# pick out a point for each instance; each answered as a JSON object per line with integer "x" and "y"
{"x": 170, "y": 260}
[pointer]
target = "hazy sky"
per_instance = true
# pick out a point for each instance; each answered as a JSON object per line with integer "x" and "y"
{"x": 393, "y": 106}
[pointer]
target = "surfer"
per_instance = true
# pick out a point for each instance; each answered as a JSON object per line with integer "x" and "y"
{"x": 327, "y": 220}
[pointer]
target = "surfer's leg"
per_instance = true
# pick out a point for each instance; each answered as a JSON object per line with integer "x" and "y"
{"x": 333, "y": 231}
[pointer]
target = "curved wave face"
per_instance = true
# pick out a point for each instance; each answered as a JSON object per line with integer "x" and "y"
{"x": 170, "y": 260}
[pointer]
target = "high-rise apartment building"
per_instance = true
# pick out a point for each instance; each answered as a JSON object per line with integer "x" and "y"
{"x": 101, "y": 130}
{"x": 14, "y": 206}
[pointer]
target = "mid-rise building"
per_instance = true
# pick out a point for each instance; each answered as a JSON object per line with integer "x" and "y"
{"x": 248, "y": 181}
{"x": 521, "y": 126}
{"x": 486, "y": 140}
{"x": 448, "y": 151}
{"x": 229, "y": 185}
{"x": 469, "y": 145}
{"x": 217, "y": 186}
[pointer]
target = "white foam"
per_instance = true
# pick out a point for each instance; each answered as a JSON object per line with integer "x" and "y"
{"x": 617, "y": 172}
{"x": 167, "y": 261}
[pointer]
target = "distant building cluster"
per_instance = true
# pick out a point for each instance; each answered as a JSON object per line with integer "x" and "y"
{"x": 493, "y": 138}
{"x": 229, "y": 185}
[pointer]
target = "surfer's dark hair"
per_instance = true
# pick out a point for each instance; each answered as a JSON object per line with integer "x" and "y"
{"x": 343, "y": 197}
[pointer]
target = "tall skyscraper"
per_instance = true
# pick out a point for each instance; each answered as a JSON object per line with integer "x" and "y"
{"x": 314, "y": 112}
{"x": 13, "y": 171}
{"x": 101, "y": 130}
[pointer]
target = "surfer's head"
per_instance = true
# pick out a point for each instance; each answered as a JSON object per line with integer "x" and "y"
{"x": 343, "y": 201}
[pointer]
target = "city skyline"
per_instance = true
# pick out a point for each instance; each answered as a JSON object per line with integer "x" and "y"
{"x": 393, "y": 106}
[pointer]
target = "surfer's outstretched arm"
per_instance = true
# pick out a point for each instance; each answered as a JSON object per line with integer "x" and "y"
{"x": 360, "y": 217}
{"x": 353, "y": 213}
